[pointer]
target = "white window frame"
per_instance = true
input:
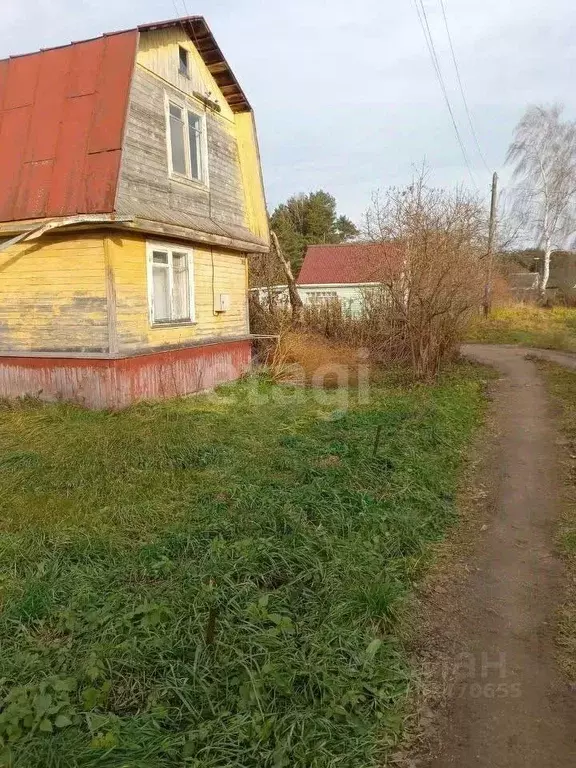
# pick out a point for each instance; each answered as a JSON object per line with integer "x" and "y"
{"x": 203, "y": 159}
{"x": 170, "y": 249}
{"x": 316, "y": 296}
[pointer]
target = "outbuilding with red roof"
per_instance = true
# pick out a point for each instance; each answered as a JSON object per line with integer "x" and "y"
{"x": 346, "y": 270}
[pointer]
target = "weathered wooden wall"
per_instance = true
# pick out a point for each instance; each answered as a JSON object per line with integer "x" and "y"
{"x": 251, "y": 168}
{"x": 234, "y": 194}
{"x": 215, "y": 272}
{"x": 53, "y": 296}
{"x": 88, "y": 293}
{"x": 158, "y": 52}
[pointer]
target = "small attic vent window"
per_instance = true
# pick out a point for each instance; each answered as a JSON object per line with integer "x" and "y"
{"x": 183, "y": 61}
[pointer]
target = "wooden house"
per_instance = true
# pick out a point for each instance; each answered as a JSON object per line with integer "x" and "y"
{"x": 346, "y": 271}
{"x": 131, "y": 197}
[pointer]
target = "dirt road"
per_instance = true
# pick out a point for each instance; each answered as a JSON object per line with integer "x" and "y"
{"x": 510, "y": 706}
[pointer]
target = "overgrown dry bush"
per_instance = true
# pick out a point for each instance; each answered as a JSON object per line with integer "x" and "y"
{"x": 428, "y": 280}
{"x": 268, "y": 314}
{"x": 370, "y": 329}
{"x": 433, "y": 282}
{"x": 502, "y": 292}
{"x": 373, "y": 328}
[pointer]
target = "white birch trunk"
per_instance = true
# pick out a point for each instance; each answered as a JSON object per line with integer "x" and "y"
{"x": 545, "y": 270}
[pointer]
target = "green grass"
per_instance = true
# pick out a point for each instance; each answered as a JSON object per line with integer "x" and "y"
{"x": 217, "y": 582}
{"x": 528, "y": 326}
{"x": 562, "y": 384}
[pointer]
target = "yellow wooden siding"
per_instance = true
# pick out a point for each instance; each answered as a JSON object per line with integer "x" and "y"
{"x": 158, "y": 52}
{"x": 53, "y": 296}
{"x": 255, "y": 203}
{"x": 133, "y": 329}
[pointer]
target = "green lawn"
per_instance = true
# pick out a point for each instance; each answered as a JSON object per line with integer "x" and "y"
{"x": 562, "y": 385}
{"x": 216, "y": 582}
{"x": 528, "y": 326}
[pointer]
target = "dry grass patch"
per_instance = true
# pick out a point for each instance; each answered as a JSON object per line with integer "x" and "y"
{"x": 528, "y": 326}
{"x": 307, "y": 358}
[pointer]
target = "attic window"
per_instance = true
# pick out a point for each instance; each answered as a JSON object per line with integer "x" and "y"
{"x": 183, "y": 61}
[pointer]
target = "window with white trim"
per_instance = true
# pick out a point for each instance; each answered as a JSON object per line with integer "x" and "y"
{"x": 186, "y": 142}
{"x": 322, "y": 295}
{"x": 170, "y": 284}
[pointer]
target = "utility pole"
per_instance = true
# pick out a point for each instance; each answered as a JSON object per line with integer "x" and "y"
{"x": 490, "y": 254}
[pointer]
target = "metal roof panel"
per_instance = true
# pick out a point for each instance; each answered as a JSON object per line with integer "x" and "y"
{"x": 66, "y": 189}
{"x": 86, "y": 60}
{"x": 48, "y": 106}
{"x": 33, "y": 189}
{"x": 4, "y": 64}
{"x": 59, "y": 110}
{"x": 20, "y": 85}
{"x": 13, "y": 132}
{"x": 114, "y": 83}
{"x": 100, "y": 174}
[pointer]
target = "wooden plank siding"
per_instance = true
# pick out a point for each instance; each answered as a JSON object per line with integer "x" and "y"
{"x": 89, "y": 294}
{"x": 251, "y": 169}
{"x": 53, "y": 296}
{"x": 233, "y": 195}
{"x": 215, "y": 272}
{"x": 158, "y": 52}
{"x": 145, "y": 180}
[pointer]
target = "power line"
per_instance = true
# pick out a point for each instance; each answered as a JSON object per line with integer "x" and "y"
{"x": 423, "y": 19}
{"x": 178, "y": 16}
{"x": 457, "y": 68}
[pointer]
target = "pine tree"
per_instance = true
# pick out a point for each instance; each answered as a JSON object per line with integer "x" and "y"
{"x": 308, "y": 220}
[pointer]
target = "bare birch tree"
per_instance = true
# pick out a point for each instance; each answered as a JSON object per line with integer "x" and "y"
{"x": 543, "y": 154}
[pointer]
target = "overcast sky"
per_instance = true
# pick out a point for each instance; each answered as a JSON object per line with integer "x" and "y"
{"x": 345, "y": 95}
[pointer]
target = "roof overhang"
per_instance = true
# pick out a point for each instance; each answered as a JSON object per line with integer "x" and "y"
{"x": 201, "y": 36}
{"x": 229, "y": 242}
{"x": 337, "y": 285}
{"x": 25, "y": 231}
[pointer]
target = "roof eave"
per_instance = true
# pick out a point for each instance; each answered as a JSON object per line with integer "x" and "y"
{"x": 201, "y": 36}
{"x": 364, "y": 283}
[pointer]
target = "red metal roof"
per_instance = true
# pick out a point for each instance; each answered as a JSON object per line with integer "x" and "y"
{"x": 62, "y": 114}
{"x": 349, "y": 263}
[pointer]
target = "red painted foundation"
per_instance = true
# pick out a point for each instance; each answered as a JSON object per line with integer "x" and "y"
{"x": 115, "y": 383}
